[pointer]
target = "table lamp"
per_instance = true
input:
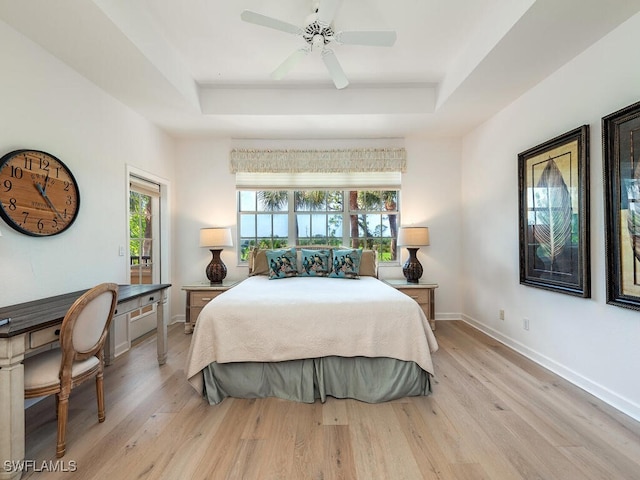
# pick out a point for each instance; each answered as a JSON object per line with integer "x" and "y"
{"x": 413, "y": 238}
{"x": 215, "y": 239}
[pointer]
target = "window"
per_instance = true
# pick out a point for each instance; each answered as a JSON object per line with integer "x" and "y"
{"x": 280, "y": 218}
{"x": 318, "y": 217}
{"x": 333, "y": 197}
{"x": 263, "y": 220}
{"x": 373, "y": 220}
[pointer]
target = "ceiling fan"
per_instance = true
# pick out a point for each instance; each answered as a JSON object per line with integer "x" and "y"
{"x": 319, "y": 35}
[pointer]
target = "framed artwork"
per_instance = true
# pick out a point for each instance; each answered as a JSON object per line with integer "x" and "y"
{"x": 554, "y": 214}
{"x": 621, "y": 156}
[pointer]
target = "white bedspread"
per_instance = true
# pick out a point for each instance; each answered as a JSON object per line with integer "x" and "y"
{"x": 264, "y": 320}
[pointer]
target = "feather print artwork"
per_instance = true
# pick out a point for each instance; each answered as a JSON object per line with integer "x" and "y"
{"x": 553, "y": 213}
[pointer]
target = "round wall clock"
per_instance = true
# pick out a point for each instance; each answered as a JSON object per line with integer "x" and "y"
{"x": 38, "y": 194}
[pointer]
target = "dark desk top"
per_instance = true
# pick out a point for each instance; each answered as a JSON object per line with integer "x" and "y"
{"x": 44, "y": 312}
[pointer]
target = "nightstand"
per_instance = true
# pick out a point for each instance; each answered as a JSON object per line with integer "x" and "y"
{"x": 422, "y": 292}
{"x": 198, "y": 295}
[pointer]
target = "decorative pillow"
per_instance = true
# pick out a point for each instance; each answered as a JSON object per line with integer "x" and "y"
{"x": 258, "y": 264}
{"x": 369, "y": 264}
{"x": 346, "y": 263}
{"x": 282, "y": 263}
{"x": 315, "y": 263}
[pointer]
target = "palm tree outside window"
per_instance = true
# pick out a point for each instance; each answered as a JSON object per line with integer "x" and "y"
{"x": 279, "y": 218}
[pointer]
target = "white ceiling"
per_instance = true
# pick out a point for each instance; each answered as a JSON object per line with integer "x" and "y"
{"x": 194, "y": 68}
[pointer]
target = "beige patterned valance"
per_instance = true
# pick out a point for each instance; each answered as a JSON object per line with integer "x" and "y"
{"x": 319, "y": 161}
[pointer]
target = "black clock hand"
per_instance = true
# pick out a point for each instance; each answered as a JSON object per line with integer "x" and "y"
{"x": 48, "y": 200}
{"x": 54, "y": 209}
{"x": 46, "y": 182}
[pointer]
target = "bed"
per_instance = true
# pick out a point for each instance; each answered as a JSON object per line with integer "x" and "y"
{"x": 306, "y": 338}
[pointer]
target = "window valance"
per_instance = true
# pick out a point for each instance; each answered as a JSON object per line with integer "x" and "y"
{"x": 319, "y": 161}
{"x": 349, "y": 168}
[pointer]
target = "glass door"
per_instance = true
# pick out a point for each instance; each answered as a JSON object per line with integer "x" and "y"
{"x": 144, "y": 205}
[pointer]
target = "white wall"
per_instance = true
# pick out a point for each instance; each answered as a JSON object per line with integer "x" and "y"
{"x": 47, "y": 106}
{"x": 431, "y": 197}
{"x": 593, "y": 344}
{"x": 206, "y": 196}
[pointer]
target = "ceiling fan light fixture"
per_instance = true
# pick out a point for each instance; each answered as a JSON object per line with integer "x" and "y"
{"x": 318, "y": 33}
{"x": 317, "y": 42}
{"x": 315, "y": 30}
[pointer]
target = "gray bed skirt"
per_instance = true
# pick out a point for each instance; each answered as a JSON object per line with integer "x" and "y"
{"x": 371, "y": 380}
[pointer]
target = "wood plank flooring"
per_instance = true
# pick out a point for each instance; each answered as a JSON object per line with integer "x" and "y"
{"x": 493, "y": 415}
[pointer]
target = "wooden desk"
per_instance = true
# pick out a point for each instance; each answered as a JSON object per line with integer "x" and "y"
{"x": 33, "y": 325}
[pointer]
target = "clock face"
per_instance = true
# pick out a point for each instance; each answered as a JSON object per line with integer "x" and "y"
{"x": 38, "y": 194}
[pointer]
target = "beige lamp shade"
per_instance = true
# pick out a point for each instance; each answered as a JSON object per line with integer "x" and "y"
{"x": 413, "y": 237}
{"x": 215, "y": 237}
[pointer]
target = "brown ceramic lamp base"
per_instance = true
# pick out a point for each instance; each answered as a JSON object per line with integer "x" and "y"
{"x": 216, "y": 270}
{"x": 412, "y": 269}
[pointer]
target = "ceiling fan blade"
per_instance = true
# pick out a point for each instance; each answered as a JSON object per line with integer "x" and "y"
{"x": 375, "y": 39}
{"x": 335, "y": 70}
{"x": 291, "y": 61}
{"x": 259, "y": 19}
{"x": 327, "y": 10}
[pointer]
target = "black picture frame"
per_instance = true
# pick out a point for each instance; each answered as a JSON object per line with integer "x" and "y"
{"x": 554, "y": 232}
{"x": 621, "y": 174}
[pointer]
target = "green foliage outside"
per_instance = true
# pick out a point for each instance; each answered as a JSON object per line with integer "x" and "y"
{"x": 139, "y": 224}
{"x": 363, "y": 203}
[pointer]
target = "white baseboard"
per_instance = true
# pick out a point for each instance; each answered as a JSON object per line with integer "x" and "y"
{"x": 626, "y": 406}
{"x": 448, "y": 316}
{"x": 121, "y": 348}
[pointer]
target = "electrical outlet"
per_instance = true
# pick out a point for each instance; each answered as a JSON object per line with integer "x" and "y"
{"x": 501, "y": 314}
{"x": 525, "y": 324}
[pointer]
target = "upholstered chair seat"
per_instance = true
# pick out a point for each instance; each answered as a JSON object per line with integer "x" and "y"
{"x": 43, "y": 370}
{"x": 81, "y": 355}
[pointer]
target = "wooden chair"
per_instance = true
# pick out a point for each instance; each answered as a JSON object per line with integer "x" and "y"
{"x": 80, "y": 356}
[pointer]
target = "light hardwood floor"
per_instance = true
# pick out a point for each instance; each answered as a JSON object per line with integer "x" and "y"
{"x": 493, "y": 415}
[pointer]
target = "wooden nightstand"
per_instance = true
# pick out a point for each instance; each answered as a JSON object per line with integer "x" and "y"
{"x": 423, "y": 293}
{"x": 198, "y": 295}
